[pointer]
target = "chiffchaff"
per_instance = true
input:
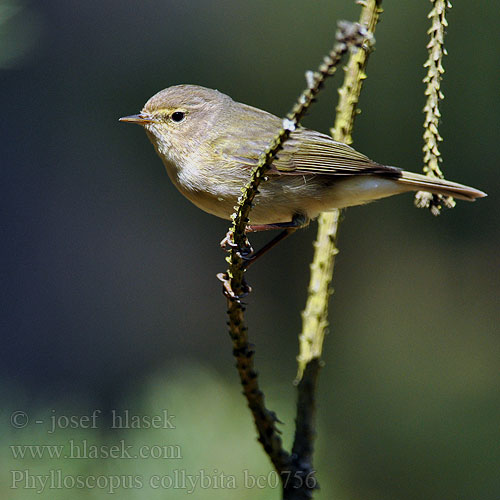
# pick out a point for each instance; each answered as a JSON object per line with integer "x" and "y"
{"x": 209, "y": 144}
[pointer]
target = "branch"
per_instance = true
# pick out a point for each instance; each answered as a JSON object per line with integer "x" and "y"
{"x": 435, "y": 70}
{"x": 315, "y": 315}
{"x": 234, "y": 284}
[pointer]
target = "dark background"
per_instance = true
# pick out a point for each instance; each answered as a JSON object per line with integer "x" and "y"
{"x": 109, "y": 296}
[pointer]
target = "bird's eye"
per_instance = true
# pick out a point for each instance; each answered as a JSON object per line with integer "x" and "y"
{"x": 178, "y": 116}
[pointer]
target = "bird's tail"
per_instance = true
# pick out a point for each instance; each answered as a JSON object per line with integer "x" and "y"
{"x": 419, "y": 182}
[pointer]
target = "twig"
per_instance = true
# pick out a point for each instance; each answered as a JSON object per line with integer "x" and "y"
{"x": 348, "y": 34}
{"x": 435, "y": 70}
{"x": 315, "y": 315}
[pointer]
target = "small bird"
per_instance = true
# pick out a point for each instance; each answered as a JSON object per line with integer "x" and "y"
{"x": 209, "y": 144}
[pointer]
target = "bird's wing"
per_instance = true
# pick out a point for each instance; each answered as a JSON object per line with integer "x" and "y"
{"x": 310, "y": 152}
{"x": 306, "y": 152}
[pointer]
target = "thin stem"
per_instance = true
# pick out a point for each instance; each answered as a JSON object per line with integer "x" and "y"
{"x": 432, "y": 138}
{"x": 315, "y": 315}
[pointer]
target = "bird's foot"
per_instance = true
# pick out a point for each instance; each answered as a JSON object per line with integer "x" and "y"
{"x": 245, "y": 251}
{"x": 228, "y": 291}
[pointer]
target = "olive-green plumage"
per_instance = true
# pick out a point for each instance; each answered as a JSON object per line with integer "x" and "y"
{"x": 209, "y": 144}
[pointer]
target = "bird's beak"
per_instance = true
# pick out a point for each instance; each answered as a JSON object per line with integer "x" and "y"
{"x": 140, "y": 119}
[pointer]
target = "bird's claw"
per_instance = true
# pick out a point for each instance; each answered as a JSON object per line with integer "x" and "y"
{"x": 228, "y": 291}
{"x": 228, "y": 241}
{"x": 247, "y": 257}
{"x": 227, "y": 244}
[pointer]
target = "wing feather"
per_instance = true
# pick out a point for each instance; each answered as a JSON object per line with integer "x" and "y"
{"x": 306, "y": 152}
{"x": 310, "y": 152}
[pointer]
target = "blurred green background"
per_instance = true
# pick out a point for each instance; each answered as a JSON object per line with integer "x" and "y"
{"x": 110, "y": 299}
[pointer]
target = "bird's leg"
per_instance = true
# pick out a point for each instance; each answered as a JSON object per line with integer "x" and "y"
{"x": 246, "y": 251}
{"x": 289, "y": 228}
{"x": 250, "y": 259}
{"x": 249, "y": 256}
{"x": 228, "y": 242}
